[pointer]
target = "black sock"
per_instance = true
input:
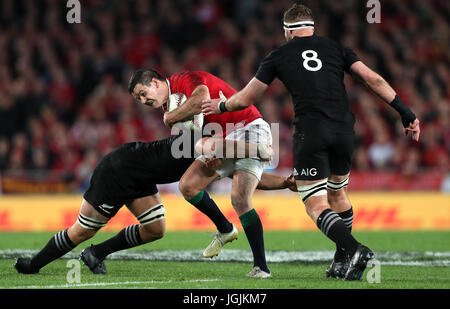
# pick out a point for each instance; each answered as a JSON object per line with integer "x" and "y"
{"x": 56, "y": 247}
{"x": 127, "y": 238}
{"x": 332, "y": 225}
{"x": 254, "y": 231}
{"x": 347, "y": 217}
{"x": 203, "y": 202}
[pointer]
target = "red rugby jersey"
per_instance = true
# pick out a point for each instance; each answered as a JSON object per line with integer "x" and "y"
{"x": 187, "y": 81}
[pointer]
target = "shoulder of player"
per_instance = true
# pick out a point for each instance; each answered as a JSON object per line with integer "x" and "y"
{"x": 275, "y": 53}
{"x": 330, "y": 42}
{"x": 180, "y": 74}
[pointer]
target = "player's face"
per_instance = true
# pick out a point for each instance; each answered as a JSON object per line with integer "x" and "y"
{"x": 155, "y": 94}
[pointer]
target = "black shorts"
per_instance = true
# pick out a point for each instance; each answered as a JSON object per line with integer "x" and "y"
{"x": 320, "y": 152}
{"x": 109, "y": 189}
{"x": 132, "y": 171}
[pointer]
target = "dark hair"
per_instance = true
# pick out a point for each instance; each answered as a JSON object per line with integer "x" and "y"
{"x": 144, "y": 77}
{"x": 298, "y": 12}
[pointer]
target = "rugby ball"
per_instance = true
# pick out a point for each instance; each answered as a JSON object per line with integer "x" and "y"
{"x": 195, "y": 123}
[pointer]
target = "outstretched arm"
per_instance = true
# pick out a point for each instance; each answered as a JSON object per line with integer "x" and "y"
{"x": 240, "y": 100}
{"x": 271, "y": 181}
{"x": 384, "y": 91}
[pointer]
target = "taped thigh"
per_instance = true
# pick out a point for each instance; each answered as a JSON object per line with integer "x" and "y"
{"x": 336, "y": 186}
{"x": 89, "y": 223}
{"x": 151, "y": 215}
{"x": 315, "y": 189}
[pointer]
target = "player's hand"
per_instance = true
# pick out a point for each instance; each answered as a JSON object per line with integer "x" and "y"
{"x": 290, "y": 183}
{"x": 167, "y": 123}
{"x": 213, "y": 162}
{"x": 211, "y": 106}
{"x": 414, "y": 128}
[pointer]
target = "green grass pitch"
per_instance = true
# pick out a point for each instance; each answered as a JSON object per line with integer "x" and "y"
{"x": 185, "y": 273}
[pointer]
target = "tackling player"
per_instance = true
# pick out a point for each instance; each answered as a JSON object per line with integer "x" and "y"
{"x": 312, "y": 69}
{"x": 247, "y": 125}
{"x": 126, "y": 176}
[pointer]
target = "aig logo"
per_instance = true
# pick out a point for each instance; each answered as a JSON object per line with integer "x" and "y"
{"x": 309, "y": 172}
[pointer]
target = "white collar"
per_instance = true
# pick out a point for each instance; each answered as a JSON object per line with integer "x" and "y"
{"x": 168, "y": 85}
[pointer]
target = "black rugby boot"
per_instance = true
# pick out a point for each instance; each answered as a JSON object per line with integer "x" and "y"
{"x": 337, "y": 269}
{"x": 358, "y": 263}
{"x": 95, "y": 265}
{"x": 23, "y": 266}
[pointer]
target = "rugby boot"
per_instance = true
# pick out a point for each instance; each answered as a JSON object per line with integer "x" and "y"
{"x": 337, "y": 269}
{"x": 23, "y": 266}
{"x": 358, "y": 263}
{"x": 220, "y": 239}
{"x": 258, "y": 273}
{"x": 95, "y": 265}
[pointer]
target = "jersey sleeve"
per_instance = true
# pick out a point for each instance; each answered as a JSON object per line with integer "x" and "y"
{"x": 267, "y": 69}
{"x": 349, "y": 58}
{"x": 191, "y": 81}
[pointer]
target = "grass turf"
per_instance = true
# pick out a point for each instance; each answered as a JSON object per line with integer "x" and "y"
{"x": 230, "y": 275}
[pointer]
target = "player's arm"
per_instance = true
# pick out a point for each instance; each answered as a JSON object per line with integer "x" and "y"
{"x": 191, "y": 107}
{"x": 271, "y": 181}
{"x": 384, "y": 91}
{"x": 240, "y": 100}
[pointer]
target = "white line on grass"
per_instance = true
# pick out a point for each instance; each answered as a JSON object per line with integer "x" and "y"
{"x": 397, "y": 258}
{"x": 99, "y": 284}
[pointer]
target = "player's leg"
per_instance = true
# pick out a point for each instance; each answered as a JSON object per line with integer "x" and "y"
{"x": 88, "y": 223}
{"x": 233, "y": 149}
{"x": 340, "y": 159}
{"x": 192, "y": 185}
{"x": 339, "y": 203}
{"x": 243, "y": 187}
{"x": 150, "y": 213}
{"x": 312, "y": 169}
{"x": 314, "y": 196}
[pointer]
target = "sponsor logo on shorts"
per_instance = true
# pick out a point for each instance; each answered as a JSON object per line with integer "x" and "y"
{"x": 308, "y": 172}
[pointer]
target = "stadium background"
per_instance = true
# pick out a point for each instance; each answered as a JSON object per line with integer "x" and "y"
{"x": 64, "y": 104}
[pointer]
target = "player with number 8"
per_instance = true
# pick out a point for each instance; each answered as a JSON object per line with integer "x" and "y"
{"x": 324, "y": 136}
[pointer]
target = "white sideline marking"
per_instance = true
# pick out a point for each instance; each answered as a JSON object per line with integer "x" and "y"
{"x": 397, "y": 258}
{"x": 62, "y": 286}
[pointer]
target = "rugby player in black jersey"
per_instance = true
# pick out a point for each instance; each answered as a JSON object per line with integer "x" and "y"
{"x": 126, "y": 176}
{"x": 312, "y": 69}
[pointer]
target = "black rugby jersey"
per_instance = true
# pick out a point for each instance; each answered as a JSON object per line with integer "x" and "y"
{"x": 149, "y": 162}
{"x": 312, "y": 69}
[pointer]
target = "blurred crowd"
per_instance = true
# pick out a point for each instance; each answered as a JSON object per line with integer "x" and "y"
{"x": 63, "y": 97}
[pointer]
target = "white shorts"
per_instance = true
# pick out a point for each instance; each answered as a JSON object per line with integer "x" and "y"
{"x": 257, "y": 132}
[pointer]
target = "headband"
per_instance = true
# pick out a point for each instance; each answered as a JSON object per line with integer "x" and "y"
{"x": 298, "y": 25}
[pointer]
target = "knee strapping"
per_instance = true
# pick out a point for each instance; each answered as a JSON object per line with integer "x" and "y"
{"x": 89, "y": 223}
{"x": 153, "y": 214}
{"x": 336, "y": 186}
{"x": 315, "y": 189}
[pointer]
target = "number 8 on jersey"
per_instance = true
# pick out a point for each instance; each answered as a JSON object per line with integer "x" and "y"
{"x": 307, "y": 59}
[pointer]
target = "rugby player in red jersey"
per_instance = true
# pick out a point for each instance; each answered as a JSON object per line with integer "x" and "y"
{"x": 128, "y": 175}
{"x": 151, "y": 88}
